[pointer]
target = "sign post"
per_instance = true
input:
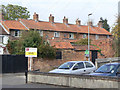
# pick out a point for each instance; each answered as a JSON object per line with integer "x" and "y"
{"x": 30, "y": 52}
{"x": 87, "y": 53}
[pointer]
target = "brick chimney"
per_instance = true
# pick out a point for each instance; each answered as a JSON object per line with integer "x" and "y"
{"x": 51, "y": 18}
{"x": 65, "y": 20}
{"x": 90, "y": 23}
{"x": 78, "y": 22}
{"x": 35, "y": 16}
{"x": 100, "y": 24}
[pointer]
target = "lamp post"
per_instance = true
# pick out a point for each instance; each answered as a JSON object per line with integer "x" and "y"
{"x": 89, "y": 38}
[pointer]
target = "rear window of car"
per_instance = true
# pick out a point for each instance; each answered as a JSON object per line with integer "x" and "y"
{"x": 79, "y": 65}
{"x": 88, "y": 65}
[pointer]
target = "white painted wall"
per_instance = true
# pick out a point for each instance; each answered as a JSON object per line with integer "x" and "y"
{"x": 5, "y": 39}
{"x": 1, "y": 50}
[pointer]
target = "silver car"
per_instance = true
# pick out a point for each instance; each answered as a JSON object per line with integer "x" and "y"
{"x": 75, "y": 67}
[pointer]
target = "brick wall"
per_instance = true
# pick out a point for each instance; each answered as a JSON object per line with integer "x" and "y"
{"x": 64, "y": 35}
{"x": 46, "y": 65}
{"x": 73, "y": 55}
{"x": 69, "y": 55}
{"x": 106, "y": 47}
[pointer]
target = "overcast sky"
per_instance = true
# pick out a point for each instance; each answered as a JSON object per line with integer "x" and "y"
{"x": 72, "y": 9}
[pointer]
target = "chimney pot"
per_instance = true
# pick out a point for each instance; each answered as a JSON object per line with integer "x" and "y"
{"x": 100, "y": 24}
{"x": 90, "y": 23}
{"x": 51, "y": 18}
{"x": 78, "y": 22}
{"x": 65, "y": 20}
{"x": 35, "y": 16}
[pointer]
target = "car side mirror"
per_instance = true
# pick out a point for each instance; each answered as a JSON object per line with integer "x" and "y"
{"x": 117, "y": 73}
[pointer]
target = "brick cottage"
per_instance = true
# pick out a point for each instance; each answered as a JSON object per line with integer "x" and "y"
{"x": 62, "y": 35}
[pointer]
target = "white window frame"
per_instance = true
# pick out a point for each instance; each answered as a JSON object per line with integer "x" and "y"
{"x": 1, "y": 39}
{"x": 108, "y": 36}
{"x": 18, "y": 33}
{"x": 71, "y": 35}
{"x": 96, "y": 37}
{"x": 84, "y": 35}
{"x": 41, "y": 33}
{"x": 56, "y": 34}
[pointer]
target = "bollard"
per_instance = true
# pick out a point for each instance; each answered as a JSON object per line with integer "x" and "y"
{"x": 26, "y": 75}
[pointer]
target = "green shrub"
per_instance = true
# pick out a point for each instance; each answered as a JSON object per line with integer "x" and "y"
{"x": 34, "y": 40}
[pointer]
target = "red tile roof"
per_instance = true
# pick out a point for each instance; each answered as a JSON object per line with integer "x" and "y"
{"x": 31, "y": 24}
{"x": 62, "y": 45}
{"x": 84, "y": 47}
{"x": 2, "y": 31}
{"x": 12, "y": 24}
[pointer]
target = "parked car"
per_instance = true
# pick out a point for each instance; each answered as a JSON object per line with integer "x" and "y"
{"x": 110, "y": 69}
{"x": 75, "y": 67}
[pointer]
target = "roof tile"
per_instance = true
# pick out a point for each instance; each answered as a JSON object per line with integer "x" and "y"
{"x": 12, "y": 24}
{"x": 31, "y": 24}
{"x": 62, "y": 45}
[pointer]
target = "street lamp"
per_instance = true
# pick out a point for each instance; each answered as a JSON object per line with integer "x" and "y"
{"x": 89, "y": 38}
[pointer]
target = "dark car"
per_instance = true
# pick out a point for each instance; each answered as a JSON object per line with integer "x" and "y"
{"x": 110, "y": 69}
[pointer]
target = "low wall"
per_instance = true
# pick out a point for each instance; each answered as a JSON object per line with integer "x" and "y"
{"x": 100, "y": 62}
{"x": 77, "y": 81}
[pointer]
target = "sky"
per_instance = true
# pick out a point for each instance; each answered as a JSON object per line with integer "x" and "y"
{"x": 72, "y": 9}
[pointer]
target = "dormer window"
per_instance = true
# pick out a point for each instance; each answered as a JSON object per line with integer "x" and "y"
{"x": 17, "y": 33}
{"x": 41, "y": 33}
{"x": 108, "y": 36}
{"x": 65, "y": 35}
{"x": 84, "y": 35}
{"x": 97, "y": 37}
{"x": 71, "y": 36}
{"x": 56, "y": 34}
{"x": 1, "y": 39}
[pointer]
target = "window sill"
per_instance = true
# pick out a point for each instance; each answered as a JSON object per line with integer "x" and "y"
{"x": 71, "y": 38}
{"x": 17, "y": 36}
{"x": 56, "y": 37}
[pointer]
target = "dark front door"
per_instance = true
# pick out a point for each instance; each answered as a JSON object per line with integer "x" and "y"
{"x": 94, "y": 55}
{"x": 58, "y": 55}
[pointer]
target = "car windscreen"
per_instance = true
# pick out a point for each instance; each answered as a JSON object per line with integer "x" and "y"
{"x": 106, "y": 68}
{"x": 66, "y": 65}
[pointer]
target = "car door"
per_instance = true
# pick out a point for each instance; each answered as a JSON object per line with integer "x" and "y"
{"x": 89, "y": 67}
{"x": 118, "y": 72}
{"x": 79, "y": 68}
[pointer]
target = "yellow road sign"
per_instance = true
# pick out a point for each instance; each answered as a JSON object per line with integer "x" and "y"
{"x": 30, "y": 52}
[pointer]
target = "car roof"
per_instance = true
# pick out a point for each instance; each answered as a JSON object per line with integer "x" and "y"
{"x": 78, "y": 61}
{"x": 115, "y": 63}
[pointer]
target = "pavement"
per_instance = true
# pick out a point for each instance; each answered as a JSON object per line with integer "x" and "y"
{"x": 17, "y": 80}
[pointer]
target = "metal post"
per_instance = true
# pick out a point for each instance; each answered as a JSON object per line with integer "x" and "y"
{"x": 26, "y": 75}
{"x": 30, "y": 63}
{"x": 89, "y": 38}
